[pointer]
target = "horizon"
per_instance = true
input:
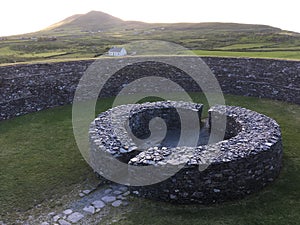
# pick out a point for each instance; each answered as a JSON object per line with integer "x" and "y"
{"x": 34, "y": 15}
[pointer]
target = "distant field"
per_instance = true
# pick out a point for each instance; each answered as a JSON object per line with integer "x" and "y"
{"x": 243, "y": 46}
{"x": 268, "y": 54}
{"x": 231, "y": 40}
{"x": 11, "y": 56}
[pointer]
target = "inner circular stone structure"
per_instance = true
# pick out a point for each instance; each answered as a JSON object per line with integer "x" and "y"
{"x": 243, "y": 159}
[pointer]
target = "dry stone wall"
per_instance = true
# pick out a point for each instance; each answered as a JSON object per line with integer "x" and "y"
{"x": 244, "y": 163}
{"x": 33, "y": 87}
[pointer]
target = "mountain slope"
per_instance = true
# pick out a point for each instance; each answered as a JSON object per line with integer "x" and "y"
{"x": 63, "y": 22}
{"x": 92, "y": 21}
{"x": 98, "y": 21}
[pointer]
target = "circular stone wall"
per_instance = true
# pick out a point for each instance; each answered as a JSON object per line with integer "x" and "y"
{"x": 244, "y": 162}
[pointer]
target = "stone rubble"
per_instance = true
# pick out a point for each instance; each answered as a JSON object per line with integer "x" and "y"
{"x": 117, "y": 203}
{"x": 86, "y": 192}
{"x": 108, "y": 199}
{"x": 43, "y": 223}
{"x": 75, "y": 217}
{"x": 64, "y": 222}
{"x": 98, "y": 204}
{"x": 89, "y": 209}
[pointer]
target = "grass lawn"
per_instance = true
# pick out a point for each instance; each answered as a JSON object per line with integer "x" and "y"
{"x": 263, "y": 54}
{"x": 39, "y": 160}
{"x": 243, "y": 46}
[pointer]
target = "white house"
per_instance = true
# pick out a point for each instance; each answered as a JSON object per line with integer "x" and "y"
{"x": 115, "y": 51}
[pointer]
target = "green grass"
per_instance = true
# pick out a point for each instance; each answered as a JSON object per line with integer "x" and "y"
{"x": 40, "y": 160}
{"x": 6, "y": 51}
{"x": 43, "y": 54}
{"x": 294, "y": 48}
{"x": 266, "y": 54}
{"x": 243, "y": 46}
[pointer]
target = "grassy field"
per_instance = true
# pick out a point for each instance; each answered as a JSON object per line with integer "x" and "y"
{"x": 295, "y": 55}
{"x": 87, "y": 38}
{"x": 39, "y": 160}
{"x": 244, "y": 46}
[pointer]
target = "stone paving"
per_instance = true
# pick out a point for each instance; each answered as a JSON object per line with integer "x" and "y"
{"x": 91, "y": 203}
{"x": 90, "y": 207}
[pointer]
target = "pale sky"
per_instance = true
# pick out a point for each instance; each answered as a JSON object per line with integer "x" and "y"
{"x": 23, "y": 16}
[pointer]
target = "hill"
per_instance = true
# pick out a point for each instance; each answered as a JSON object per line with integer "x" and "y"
{"x": 92, "y": 34}
{"x": 63, "y": 22}
{"x": 95, "y": 21}
{"x": 92, "y": 21}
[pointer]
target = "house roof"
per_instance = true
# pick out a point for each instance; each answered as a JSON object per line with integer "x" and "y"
{"x": 115, "y": 49}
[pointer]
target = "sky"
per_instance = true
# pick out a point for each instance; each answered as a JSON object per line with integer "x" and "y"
{"x": 23, "y": 16}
